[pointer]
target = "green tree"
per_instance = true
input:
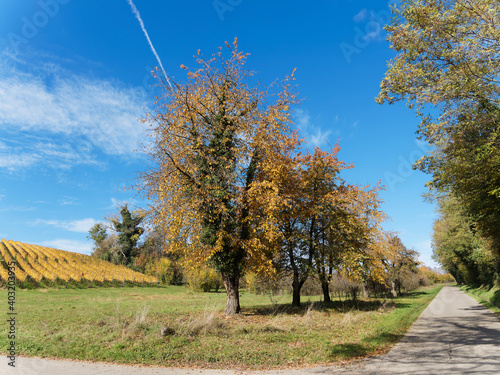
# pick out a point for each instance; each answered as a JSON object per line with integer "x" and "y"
{"x": 105, "y": 245}
{"x": 458, "y": 245}
{"x": 97, "y": 234}
{"x": 128, "y": 231}
{"x": 447, "y": 69}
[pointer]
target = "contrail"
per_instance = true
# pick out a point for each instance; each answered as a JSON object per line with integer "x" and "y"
{"x": 138, "y": 16}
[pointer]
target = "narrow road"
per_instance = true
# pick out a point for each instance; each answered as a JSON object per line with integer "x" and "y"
{"x": 454, "y": 335}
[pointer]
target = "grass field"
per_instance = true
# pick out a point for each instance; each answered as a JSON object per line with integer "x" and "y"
{"x": 123, "y": 325}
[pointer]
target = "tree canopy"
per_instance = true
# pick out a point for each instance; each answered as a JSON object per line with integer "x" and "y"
{"x": 447, "y": 69}
{"x": 459, "y": 245}
{"x": 119, "y": 248}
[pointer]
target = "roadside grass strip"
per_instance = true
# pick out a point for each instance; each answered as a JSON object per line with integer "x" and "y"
{"x": 489, "y": 297}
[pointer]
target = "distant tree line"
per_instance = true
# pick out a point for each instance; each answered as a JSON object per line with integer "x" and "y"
{"x": 389, "y": 268}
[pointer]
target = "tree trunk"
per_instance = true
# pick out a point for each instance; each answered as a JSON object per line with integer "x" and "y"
{"x": 233, "y": 296}
{"x": 393, "y": 289}
{"x": 365, "y": 292}
{"x": 296, "y": 286}
{"x": 296, "y": 296}
{"x": 326, "y": 291}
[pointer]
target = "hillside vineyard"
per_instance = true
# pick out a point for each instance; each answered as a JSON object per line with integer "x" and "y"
{"x": 43, "y": 264}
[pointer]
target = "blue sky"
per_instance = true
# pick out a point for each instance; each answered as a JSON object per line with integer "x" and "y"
{"x": 75, "y": 78}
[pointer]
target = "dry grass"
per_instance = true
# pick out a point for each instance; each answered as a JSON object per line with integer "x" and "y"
{"x": 208, "y": 322}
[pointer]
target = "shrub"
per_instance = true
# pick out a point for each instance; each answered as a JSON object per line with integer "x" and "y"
{"x": 258, "y": 284}
{"x": 311, "y": 287}
{"x": 203, "y": 279}
{"x": 161, "y": 268}
{"x": 343, "y": 287}
{"x": 409, "y": 281}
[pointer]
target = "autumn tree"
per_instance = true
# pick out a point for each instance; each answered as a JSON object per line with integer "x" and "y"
{"x": 210, "y": 136}
{"x": 434, "y": 276}
{"x": 401, "y": 262}
{"x": 343, "y": 244}
{"x": 307, "y": 217}
{"x": 447, "y": 69}
{"x": 389, "y": 265}
{"x": 309, "y": 192}
{"x": 152, "y": 260}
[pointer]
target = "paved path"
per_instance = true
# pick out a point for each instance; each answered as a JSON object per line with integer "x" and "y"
{"x": 454, "y": 335}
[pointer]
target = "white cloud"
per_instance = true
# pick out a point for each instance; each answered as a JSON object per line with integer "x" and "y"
{"x": 80, "y": 226}
{"x": 373, "y": 24}
{"x": 319, "y": 137}
{"x": 315, "y": 135}
{"x": 11, "y": 160}
{"x": 68, "y": 201}
{"x": 69, "y": 245}
{"x": 43, "y": 153}
{"x": 361, "y": 16}
{"x": 375, "y": 32}
{"x": 302, "y": 119}
{"x": 375, "y": 27}
{"x": 60, "y": 119}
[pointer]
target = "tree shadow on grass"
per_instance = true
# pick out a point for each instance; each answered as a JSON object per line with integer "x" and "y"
{"x": 413, "y": 295}
{"x": 348, "y": 351}
{"x": 493, "y": 300}
{"x": 333, "y": 306}
{"x": 369, "y": 346}
{"x": 496, "y": 298}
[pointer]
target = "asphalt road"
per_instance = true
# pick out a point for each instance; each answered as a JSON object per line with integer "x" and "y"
{"x": 454, "y": 335}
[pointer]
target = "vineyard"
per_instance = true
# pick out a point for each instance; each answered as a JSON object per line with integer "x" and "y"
{"x": 38, "y": 264}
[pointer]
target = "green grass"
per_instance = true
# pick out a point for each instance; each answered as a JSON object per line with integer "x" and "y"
{"x": 123, "y": 325}
{"x": 487, "y": 296}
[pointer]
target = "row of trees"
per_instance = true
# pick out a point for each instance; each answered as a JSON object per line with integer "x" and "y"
{"x": 232, "y": 188}
{"x": 447, "y": 69}
{"x": 460, "y": 246}
{"x": 380, "y": 265}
